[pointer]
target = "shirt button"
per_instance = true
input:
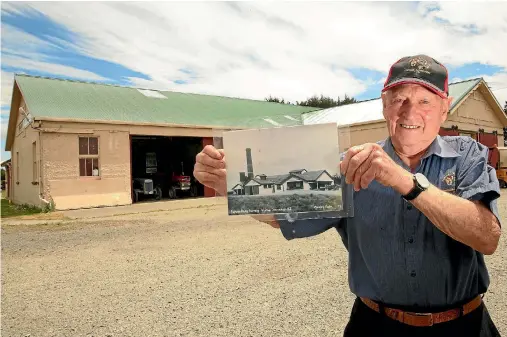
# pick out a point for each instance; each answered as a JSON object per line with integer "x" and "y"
{"x": 409, "y": 206}
{"x": 410, "y": 240}
{"x": 293, "y": 231}
{"x": 412, "y": 273}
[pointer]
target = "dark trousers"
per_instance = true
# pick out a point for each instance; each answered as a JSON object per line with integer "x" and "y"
{"x": 365, "y": 322}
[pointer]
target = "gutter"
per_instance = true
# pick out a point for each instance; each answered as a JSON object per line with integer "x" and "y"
{"x": 116, "y": 122}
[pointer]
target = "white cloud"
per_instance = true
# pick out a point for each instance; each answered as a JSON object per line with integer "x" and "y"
{"x": 50, "y": 68}
{"x": 7, "y": 83}
{"x": 501, "y": 96}
{"x": 22, "y": 50}
{"x": 257, "y": 49}
{"x": 3, "y": 128}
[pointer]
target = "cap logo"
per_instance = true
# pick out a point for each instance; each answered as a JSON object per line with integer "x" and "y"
{"x": 419, "y": 65}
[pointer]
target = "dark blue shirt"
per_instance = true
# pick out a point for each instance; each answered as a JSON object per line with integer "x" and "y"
{"x": 396, "y": 255}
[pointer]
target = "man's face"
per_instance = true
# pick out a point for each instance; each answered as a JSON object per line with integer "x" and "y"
{"x": 414, "y": 115}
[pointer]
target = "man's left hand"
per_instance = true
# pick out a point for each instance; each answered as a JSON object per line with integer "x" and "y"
{"x": 364, "y": 163}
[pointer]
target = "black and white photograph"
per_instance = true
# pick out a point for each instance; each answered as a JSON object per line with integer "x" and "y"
{"x": 283, "y": 170}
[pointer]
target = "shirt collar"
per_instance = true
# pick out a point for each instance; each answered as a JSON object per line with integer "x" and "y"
{"x": 438, "y": 147}
{"x": 442, "y": 149}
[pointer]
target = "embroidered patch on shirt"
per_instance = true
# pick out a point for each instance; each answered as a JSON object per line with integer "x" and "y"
{"x": 449, "y": 181}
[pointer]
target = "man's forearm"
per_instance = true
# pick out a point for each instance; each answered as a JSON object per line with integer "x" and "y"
{"x": 471, "y": 223}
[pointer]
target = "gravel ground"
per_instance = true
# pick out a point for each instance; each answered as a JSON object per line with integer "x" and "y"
{"x": 181, "y": 273}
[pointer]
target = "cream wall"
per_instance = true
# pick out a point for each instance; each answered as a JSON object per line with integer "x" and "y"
{"x": 25, "y": 187}
{"x": 266, "y": 191}
{"x": 62, "y": 182}
{"x": 61, "y": 166}
{"x": 361, "y": 133}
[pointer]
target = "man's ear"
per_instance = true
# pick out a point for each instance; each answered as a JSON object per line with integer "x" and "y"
{"x": 384, "y": 104}
{"x": 449, "y": 100}
{"x": 447, "y": 103}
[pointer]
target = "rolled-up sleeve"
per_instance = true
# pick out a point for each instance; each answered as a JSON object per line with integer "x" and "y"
{"x": 306, "y": 228}
{"x": 476, "y": 179}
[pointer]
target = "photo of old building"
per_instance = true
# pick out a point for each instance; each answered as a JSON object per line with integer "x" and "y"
{"x": 266, "y": 176}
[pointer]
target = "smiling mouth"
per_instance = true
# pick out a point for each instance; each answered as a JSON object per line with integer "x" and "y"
{"x": 406, "y": 126}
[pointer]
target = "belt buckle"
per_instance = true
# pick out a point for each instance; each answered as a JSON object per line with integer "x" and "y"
{"x": 429, "y": 316}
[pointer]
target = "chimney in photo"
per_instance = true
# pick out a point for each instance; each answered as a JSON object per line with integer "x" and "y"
{"x": 249, "y": 165}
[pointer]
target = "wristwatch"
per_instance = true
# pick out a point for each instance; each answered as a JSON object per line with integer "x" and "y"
{"x": 421, "y": 184}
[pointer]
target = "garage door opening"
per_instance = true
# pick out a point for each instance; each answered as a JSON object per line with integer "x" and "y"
{"x": 162, "y": 167}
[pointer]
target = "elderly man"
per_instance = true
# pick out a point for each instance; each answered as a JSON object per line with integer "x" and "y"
{"x": 425, "y": 215}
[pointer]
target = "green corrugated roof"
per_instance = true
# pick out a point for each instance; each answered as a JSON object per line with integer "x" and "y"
{"x": 459, "y": 90}
{"x": 56, "y": 98}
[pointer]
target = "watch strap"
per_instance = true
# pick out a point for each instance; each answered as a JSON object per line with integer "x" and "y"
{"x": 415, "y": 191}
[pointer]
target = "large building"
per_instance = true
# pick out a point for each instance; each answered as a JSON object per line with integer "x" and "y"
{"x": 76, "y": 144}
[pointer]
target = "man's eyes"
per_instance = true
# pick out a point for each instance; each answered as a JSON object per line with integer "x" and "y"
{"x": 399, "y": 100}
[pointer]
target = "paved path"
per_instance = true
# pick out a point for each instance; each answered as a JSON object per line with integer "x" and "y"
{"x": 118, "y": 212}
{"x": 144, "y": 207}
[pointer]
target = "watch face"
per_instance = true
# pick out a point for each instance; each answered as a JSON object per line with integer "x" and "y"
{"x": 422, "y": 180}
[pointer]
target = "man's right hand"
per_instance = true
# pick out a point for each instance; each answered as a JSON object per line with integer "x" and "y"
{"x": 210, "y": 169}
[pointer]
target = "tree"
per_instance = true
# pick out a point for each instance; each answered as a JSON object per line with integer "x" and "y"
{"x": 326, "y": 102}
{"x": 315, "y": 101}
{"x": 275, "y": 100}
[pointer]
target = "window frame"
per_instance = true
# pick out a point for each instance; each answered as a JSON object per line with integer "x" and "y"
{"x": 89, "y": 156}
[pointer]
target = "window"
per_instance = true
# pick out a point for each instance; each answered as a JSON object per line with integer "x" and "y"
{"x": 35, "y": 177}
{"x": 295, "y": 185}
{"x": 89, "y": 156}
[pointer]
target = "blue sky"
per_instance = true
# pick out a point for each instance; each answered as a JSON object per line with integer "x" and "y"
{"x": 255, "y": 51}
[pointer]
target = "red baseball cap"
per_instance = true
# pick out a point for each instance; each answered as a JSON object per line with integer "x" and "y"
{"x": 422, "y": 70}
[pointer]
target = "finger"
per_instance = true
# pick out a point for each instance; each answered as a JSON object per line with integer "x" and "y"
{"x": 361, "y": 170}
{"x": 206, "y": 160}
{"x": 222, "y": 152}
{"x": 215, "y": 176}
{"x": 356, "y": 161}
{"x": 211, "y": 151}
{"x": 368, "y": 177}
{"x": 376, "y": 167}
{"x": 349, "y": 154}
